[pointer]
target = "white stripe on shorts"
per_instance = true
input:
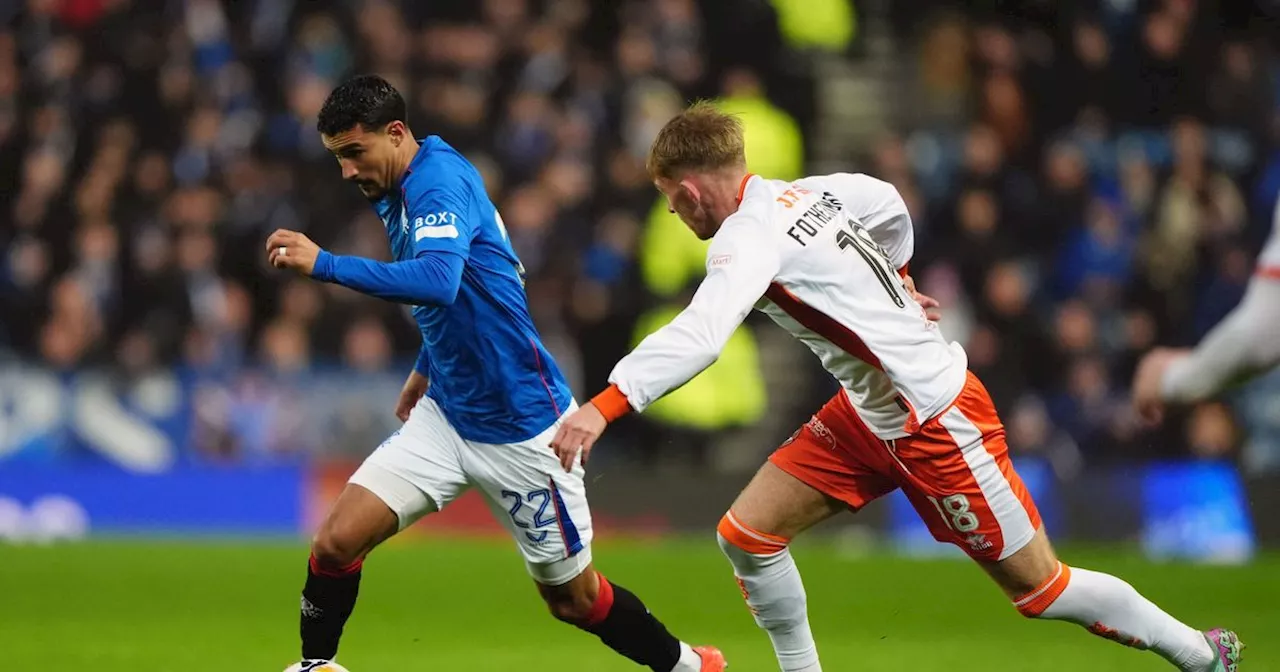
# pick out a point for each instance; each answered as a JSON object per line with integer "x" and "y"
{"x": 1015, "y": 525}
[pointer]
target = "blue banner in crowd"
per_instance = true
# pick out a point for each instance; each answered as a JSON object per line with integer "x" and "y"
{"x": 1196, "y": 511}
{"x": 176, "y": 452}
{"x": 50, "y": 501}
{"x": 172, "y": 418}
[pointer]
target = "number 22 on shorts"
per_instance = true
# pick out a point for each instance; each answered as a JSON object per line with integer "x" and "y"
{"x": 955, "y": 512}
{"x": 540, "y": 520}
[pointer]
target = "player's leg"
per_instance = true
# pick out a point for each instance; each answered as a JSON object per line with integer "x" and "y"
{"x": 958, "y": 475}
{"x": 357, "y": 522}
{"x": 754, "y": 535}
{"x": 593, "y": 603}
{"x": 806, "y": 481}
{"x": 414, "y": 472}
{"x": 546, "y": 512}
{"x": 1043, "y": 587}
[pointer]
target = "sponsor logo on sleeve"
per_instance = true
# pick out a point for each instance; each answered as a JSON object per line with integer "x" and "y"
{"x": 441, "y": 224}
{"x": 719, "y": 260}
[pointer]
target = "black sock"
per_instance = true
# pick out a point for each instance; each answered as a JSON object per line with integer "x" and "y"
{"x": 327, "y": 601}
{"x": 625, "y": 625}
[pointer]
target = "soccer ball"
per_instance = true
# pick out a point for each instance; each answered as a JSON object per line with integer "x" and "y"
{"x": 312, "y": 666}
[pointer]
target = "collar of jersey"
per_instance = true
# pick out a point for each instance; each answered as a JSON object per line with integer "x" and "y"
{"x": 742, "y": 188}
{"x": 424, "y": 148}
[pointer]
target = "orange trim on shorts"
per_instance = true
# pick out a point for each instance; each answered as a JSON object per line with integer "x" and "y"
{"x": 1035, "y": 602}
{"x": 748, "y": 539}
{"x": 1268, "y": 272}
{"x": 611, "y": 403}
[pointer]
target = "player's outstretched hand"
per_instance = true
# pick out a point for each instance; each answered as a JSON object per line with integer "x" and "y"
{"x": 411, "y": 394}
{"x": 290, "y": 249}
{"x": 928, "y": 303}
{"x": 577, "y": 434}
{"x": 1147, "y": 380}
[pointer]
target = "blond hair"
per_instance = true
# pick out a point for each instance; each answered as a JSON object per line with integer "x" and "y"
{"x": 702, "y": 138}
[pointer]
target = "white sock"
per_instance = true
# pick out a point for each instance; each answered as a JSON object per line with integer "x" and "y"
{"x": 689, "y": 661}
{"x": 771, "y": 583}
{"x": 1110, "y": 608}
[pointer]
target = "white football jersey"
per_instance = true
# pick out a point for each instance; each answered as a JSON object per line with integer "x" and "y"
{"x": 1269, "y": 258}
{"x": 822, "y": 257}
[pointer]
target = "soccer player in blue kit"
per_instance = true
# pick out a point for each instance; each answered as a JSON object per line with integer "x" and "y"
{"x": 480, "y": 406}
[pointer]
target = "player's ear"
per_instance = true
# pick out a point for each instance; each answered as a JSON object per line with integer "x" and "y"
{"x": 688, "y": 185}
{"x": 397, "y": 132}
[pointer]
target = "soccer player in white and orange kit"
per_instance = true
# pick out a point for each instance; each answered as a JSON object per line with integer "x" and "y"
{"x": 826, "y": 258}
{"x": 1240, "y": 347}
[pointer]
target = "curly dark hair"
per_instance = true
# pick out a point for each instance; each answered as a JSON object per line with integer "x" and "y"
{"x": 368, "y": 100}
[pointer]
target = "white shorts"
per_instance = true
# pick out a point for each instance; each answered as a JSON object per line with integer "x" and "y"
{"x": 426, "y": 465}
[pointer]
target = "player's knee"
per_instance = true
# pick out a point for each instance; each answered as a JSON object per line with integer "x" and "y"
{"x": 1035, "y": 601}
{"x": 735, "y": 554}
{"x": 334, "y": 551}
{"x": 358, "y": 521}
{"x": 722, "y": 542}
{"x": 572, "y": 609}
{"x": 1028, "y": 569}
{"x": 573, "y": 602}
{"x": 570, "y": 606}
{"x": 739, "y": 541}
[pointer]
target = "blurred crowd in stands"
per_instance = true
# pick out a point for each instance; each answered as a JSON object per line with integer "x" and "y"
{"x": 1087, "y": 180}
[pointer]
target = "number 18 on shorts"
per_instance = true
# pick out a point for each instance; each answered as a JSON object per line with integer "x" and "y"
{"x": 955, "y": 471}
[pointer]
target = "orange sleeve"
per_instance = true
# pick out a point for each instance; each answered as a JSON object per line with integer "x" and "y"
{"x": 902, "y": 272}
{"x": 612, "y": 403}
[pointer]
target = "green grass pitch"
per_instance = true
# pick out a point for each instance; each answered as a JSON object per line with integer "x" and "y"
{"x": 134, "y": 606}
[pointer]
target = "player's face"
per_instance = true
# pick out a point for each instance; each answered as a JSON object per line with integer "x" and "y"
{"x": 367, "y": 157}
{"x": 684, "y": 202}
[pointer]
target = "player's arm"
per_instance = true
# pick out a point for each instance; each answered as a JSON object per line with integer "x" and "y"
{"x": 1243, "y": 344}
{"x": 419, "y": 380}
{"x": 423, "y": 363}
{"x": 740, "y": 265}
{"x": 440, "y": 249}
{"x": 1239, "y": 347}
{"x": 429, "y": 279}
{"x": 422, "y": 366}
{"x": 432, "y": 277}
{"x": 415, "y": 385}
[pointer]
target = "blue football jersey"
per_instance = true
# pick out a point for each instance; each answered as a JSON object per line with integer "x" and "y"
{"x": 489, "y": 370}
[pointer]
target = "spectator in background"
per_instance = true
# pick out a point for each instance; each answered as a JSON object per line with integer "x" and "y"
{"x": 1239, "y": 95}
{"x": 1096, "y": 259}
{"x": 1197, "y": 208}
